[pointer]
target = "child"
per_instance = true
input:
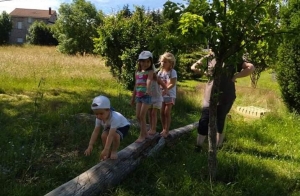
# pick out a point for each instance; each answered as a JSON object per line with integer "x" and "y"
{"x": 115, "y": 128}
{"x": 169, "y": 76}
{"x": 142, "y": 91}
{"x": 157, "y": 100}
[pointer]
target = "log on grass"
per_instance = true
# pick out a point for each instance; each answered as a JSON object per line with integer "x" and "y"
{"x": 109, "y": 173}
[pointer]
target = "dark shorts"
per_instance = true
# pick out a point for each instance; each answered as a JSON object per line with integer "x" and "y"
{"x": 222, "y": 111}
{"x": 146, "y": 99}
{"x": 122, "y": 131}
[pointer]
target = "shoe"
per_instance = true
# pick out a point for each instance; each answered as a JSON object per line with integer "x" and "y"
{"x": 198, "y": 148}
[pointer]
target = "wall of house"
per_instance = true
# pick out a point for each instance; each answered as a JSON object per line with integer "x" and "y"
{"x": 21, "y": 26}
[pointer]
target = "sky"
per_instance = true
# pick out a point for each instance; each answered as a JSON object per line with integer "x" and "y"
{"x": 107, "y": 6}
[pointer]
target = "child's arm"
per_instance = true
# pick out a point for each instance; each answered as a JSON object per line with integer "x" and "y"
{"x": 105, "y": 152}
{"x": 92, "y": 141}
{"x": 172, "y": 82}
{"x": 149, "y": 80}
{"x": 161, "y": 83}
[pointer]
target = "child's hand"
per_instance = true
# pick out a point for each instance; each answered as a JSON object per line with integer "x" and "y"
{"x": 148, "y": 93}
{"x": 104, "y": 154}
{"x": 88, "y": 150}
{"x": 165, "y": 92}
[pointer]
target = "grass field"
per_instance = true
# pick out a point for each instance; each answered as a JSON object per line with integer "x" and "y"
{"x": 42, "y": 143}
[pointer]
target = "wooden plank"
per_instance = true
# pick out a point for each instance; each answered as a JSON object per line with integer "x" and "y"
{"x": 109, "y": 173}
{"x": 251, "y": 111}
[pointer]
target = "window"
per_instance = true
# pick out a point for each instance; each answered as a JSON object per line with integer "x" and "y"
{"x": 19, "y": 25}
{"x": 29, "y": 20}
{"x": 20, "y": 40}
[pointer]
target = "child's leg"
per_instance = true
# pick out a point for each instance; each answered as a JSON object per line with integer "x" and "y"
{"x": 104, "y": 138}
{"x": 137, "y": 112}
{"x": 150, "y": 118}
{"x": 153, "y": 121}
{"x": 162, "y": 117}
{"x": 167, "y": 116}
{"x": 142, "y": 117}
{"x": 115, "y": 146}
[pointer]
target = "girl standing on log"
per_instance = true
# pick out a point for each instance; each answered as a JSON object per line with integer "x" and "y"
{"x": 157, "y": 99}
{"x": 115, "y": 128}
{"x": 142, "y": 91}
{"x": 169, "y": 76}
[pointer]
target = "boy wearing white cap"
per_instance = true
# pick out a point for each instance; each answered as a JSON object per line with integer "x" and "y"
{"x": 115, "y": 128}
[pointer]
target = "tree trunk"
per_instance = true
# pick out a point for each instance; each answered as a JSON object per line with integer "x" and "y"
{"x": 212, "y": 128}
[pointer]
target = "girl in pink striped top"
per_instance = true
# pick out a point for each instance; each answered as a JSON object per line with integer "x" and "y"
{"x": 142, "y": 91}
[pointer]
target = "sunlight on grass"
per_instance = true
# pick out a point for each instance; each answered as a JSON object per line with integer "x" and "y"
{"x": 43, "y": 143}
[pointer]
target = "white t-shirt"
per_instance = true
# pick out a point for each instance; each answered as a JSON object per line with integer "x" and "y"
{"x": 116, "y": 120}
{"x": 166, "y": 77}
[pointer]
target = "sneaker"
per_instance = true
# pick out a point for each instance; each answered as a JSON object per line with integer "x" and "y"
{"x": 198, "y": 148}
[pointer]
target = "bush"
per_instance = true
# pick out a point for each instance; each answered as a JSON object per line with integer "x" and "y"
{"x": 288, "y": 73}
{"x": 40, "y": 34}
{"x": 288, "y": 68}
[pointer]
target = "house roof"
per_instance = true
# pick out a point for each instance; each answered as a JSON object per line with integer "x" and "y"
{"x": 34, "y": 13}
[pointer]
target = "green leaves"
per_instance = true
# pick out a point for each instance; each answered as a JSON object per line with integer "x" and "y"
{"x": 191, "y": 25}
{"x": 5, "y": 28}
{"x": 76, "y": 27}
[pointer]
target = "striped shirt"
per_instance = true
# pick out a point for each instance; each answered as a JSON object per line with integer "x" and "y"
{"x": 141, "y": 83}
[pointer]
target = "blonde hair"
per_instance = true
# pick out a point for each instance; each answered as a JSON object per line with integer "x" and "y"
{"x": 170, "y": 57}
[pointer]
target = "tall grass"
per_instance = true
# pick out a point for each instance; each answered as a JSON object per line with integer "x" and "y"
{"x": 42, "y": 143}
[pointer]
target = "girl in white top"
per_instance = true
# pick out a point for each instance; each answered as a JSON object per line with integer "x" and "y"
{"x": 169, "y": 76}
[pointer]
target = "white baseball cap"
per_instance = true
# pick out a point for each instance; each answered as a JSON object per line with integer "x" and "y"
{"x": 145, "y": 55}
{"x": 100, "y": 102}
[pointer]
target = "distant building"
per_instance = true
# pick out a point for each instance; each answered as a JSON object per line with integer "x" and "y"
{"x": 23, "y": 18}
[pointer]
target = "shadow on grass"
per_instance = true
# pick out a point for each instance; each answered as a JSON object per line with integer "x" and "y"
{"x": 43, "y": 144}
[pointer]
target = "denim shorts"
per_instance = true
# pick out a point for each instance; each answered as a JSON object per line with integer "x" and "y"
{"x": 122, "y": 131}
{"x": 146, "y": 99}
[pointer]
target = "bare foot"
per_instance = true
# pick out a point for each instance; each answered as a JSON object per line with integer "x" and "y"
{"x": 164, "y": 134}
{"x": 114, "y": 155}
{"x": 151, "y": 132}
{"x": 139, "y": 140}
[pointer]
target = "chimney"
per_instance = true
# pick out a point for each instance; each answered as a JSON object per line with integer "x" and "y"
{"x": 49, "y": 10}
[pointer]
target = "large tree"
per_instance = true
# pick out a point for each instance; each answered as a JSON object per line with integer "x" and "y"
{"x": 231, "y": 27}
{"x": 123, "y": 36}
{"x": 76, "y": 27}
{"x": 5, "y": 28}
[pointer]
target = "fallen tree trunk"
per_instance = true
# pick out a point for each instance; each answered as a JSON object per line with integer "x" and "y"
{"x": 109, "y": 173}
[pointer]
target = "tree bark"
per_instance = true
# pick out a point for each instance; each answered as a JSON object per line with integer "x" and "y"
{"x": 212, "y": 128}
